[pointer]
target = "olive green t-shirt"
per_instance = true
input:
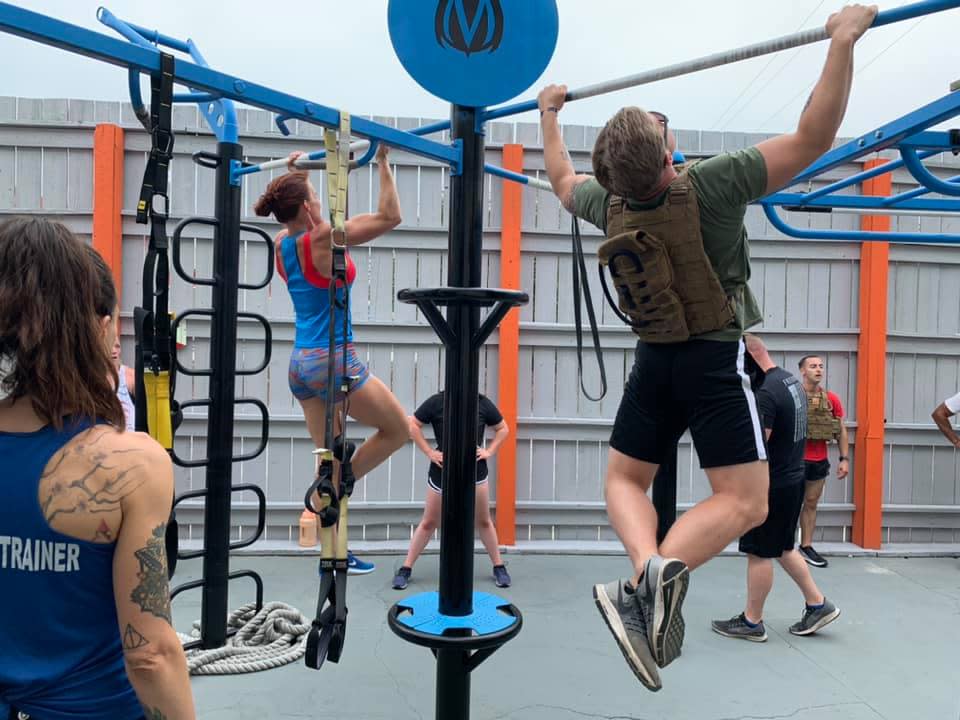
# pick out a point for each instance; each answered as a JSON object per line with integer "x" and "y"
{"x": 725, "y": 185}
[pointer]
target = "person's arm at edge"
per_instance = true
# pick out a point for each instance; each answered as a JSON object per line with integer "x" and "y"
{"x": 563, "y": 178}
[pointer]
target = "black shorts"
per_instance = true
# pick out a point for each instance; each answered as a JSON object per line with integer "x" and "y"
{"x": 700, "y": 385}
{"x": 778, "y": 532}
{"x": 814, "y": 470}
{"x": 435, "y": 477}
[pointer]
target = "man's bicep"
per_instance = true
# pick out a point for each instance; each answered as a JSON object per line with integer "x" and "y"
{"x": 141, "y": 586}
{"x": 785, "y": 156}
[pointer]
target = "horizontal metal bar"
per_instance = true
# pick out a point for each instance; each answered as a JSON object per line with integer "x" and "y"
{"x": 911, "y": 194}
{"x": 864, "y": 202}
{"x": 196, "y": 97}
{"x": 857, "y": 235}
{"x": 50, "y": 31}
{"x": 518, "y": 177}
{"x": 727, "y": 57}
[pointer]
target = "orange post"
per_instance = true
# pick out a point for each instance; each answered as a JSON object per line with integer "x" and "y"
{"x": 108, "y": 197}
{"x": 509, "y": 348}
{"x": 871, "y": 373}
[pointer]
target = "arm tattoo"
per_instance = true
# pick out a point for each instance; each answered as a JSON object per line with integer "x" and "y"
{"x": 155, "y": 714}
{"x": 133, "y": 639}
{"x": 100, "y": 487}
{"x": 568, "y": 202}
{"x": 152, "y": 594}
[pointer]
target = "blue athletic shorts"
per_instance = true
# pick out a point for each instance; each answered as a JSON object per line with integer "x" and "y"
{"x": 308, "y": 371}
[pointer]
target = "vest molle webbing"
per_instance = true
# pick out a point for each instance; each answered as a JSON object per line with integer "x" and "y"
{"x": 666, "y": 287}
{"x": 821, "y": 424}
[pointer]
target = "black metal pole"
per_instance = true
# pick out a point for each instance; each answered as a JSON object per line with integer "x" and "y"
{"x": 665, "y": 493}
{"x": 460, "y": 412}
{"x": 223, "y": 362}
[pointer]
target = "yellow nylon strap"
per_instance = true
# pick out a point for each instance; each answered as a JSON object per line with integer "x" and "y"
{"x": 159, "y": 422}
{"x": 338, "y": 168}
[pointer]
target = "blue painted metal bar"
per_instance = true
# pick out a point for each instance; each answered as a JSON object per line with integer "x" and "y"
{"x": 805, "y": 37}
{"x": 220, "y": 114}
{"x": 517, "y": 177}
{"x": 866, "y": 202}
{"x": 910, "y": 194}
{"x": 859, "y": 178}
{"x": 937, "y": 140}
{"x": 856, "y": 235}
{"x": 50, "y": 31}
{"x": 926, "y": 178}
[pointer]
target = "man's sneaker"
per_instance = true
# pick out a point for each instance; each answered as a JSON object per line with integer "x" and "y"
{"x": 737, "y": 628}
{"x": 660, "y": 597}
{"x": 617, "y": 603}
{"x": 500, "y": 576}
{"x": 812, "y": 556}
{"x": 356, "y": 566}
{"x": 402, "y": 577}
{"x": 815, "y": 618}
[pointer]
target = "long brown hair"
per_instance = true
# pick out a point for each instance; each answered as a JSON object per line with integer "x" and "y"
{"x": 284, "y": 197}
{"x": 54, "y": 292}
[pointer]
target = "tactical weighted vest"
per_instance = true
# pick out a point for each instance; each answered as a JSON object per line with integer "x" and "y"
{"x": 821, "y": 424}
{"x": 666, "y": 287}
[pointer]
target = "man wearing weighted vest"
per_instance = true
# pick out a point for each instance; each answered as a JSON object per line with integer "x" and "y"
{"x": 679, "y": 259}
{"x": 824, "y": 423}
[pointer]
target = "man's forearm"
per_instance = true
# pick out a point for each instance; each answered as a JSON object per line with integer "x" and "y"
{"x": 946, "y": 428}
{"x": 827, "y": 104}
{"x": 844, "y": 440}
{"x": 555, "y": 155}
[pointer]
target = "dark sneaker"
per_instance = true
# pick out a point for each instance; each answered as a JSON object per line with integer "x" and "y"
{"x": 813, "y": 557}
{"x": 815, "y": 618}
{"x": 356, "y": 566}
{"x": 660, "y": 597}
{"x": 500, "y": 576}
{"x": 737, "y": 628}
{"x": 402, "y": 577}
{"x": 617, "y": 603}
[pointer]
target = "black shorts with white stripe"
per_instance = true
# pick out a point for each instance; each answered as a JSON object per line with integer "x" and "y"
{"x": 700, "y": 385}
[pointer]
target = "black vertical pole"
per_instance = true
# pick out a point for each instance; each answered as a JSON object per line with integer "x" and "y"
{"x": 223, "y": 362}
{"x": 665, "y": 493}
{"x": 461, "y": 386}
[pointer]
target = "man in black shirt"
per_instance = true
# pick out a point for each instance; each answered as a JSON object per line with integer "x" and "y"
{"x": 431, "y": 412}
{"x": 783, "y": 409}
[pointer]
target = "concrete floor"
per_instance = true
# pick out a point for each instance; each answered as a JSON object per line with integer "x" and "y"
{"x": 893, "y": 654}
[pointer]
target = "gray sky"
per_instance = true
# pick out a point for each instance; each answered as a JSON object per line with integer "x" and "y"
{"x": 294, "y": 47}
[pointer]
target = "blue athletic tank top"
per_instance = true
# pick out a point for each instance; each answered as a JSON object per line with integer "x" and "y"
{"x": 60, "y": 651}
{"x": 309, "y": 292}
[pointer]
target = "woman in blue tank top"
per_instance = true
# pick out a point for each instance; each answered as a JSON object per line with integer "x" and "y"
{"x": 85, "y": 607}
{"x": 304, "y": 257}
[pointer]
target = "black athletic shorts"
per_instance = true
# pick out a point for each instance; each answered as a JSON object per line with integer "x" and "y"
{"x": 778, "y": 532}
{"x": 700, "y": 385}
{"x": 816, "y": 469}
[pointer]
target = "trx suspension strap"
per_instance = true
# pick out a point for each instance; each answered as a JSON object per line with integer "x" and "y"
{"x": 154, "y": 350}
{"x": 579, "y": 281}
{"x": 154, "y": 345}
{"x": 325, "y": 640}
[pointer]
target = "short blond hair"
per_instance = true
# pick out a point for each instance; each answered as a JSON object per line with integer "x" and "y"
{"x": 628, "y": 156}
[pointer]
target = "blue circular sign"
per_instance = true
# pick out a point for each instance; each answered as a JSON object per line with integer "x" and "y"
{"x": 474, "y": 52}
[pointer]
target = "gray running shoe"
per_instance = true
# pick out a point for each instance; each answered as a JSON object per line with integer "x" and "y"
{"x": 660, "y": 596}
{"x": 618, "y": 606}
{"x": 737, "y": 627}
{"x": 815, "y": 619}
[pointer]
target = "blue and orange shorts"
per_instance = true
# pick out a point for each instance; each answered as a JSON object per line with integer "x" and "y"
{"x": 308, "y": 371}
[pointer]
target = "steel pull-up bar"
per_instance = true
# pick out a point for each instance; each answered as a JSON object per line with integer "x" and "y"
{"x": 786, "y": 42}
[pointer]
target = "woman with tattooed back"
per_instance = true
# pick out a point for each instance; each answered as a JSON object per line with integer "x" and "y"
{"x": 84, "y": 602}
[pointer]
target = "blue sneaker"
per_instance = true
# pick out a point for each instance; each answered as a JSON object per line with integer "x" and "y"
{"x": 356, "y": 566}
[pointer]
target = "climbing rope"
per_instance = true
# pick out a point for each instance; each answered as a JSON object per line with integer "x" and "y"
{"x": 264, "y": 640}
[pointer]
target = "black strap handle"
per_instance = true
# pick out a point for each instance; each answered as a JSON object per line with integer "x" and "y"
{"x": 579, "y": 281}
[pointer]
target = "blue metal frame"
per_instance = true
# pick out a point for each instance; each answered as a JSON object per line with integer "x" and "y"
{"x": 220, "y": 114}
{"x": 908, "y": 135}
{"x": 50, "y": 31}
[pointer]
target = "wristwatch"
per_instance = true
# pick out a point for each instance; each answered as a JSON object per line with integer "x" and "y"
{"x": 842, "y": 458}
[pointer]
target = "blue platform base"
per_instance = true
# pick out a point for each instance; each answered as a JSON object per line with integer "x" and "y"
{"x": 423, "y": 615}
